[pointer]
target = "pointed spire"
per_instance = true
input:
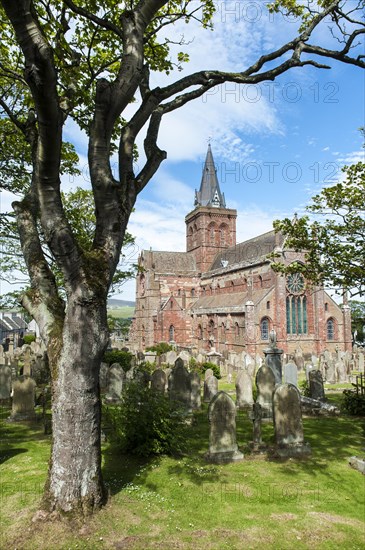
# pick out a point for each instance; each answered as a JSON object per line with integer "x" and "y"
{"x": 209, "y": 193}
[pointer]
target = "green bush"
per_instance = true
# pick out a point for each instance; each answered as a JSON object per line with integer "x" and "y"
{"x": 213, "y": 366}
{"x": 145, "y": 423}
{"x": 160, "y": 348}
{"x": 304, "y": 388}
{"x": 124, "y": 358}
{"x": 353, "y": 404}
{"x": 29, "y": 338}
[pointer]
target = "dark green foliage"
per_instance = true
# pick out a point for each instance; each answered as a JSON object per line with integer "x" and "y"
{"x": 304, "y": 388}
{"x": 124, "y": 358}
{"x": 28, "y": 338}
{"x": 353, "y": 403}
{"x": 160, "y": 348}
{"x": 145, "y": 423}
{"x": 213, "y": 366}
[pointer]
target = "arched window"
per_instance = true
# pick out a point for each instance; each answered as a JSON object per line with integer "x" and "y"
{"x": 200, "y": 332}
{"x": 236, "y": 331}
{"x": 223, "y": 234}
{"x": 330, "y": 329}
{"x": 192, "y": 292}
{"x": 296, "y": 315}
{"x": 264, "y": 327}
{"x": 211, "y": 230}
{"x": 171, "y": 333}
{"x": 260, "y": 281}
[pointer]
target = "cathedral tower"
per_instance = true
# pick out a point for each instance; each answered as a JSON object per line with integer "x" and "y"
{"x": 210, "y": 227}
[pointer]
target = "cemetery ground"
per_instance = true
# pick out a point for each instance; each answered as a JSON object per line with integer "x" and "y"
{"x": 183, "y": 502}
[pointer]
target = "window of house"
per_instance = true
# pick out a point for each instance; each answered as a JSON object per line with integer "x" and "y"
{"x": 330, "y": 329}
{"x": 171, "y": 333}
{"x": 264, "y": 326}
{"x": 296, "y": 315}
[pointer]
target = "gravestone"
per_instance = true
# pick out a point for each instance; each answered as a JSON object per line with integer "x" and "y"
{"x": 158, "y": 380}
{"x": 315, "y": 361}
{"x": 167, "y": 373}
{"x": 103, "y": 376}
{"x": 185, "y": 356}
{"x": 244, "y": 398}
{"x": 361, "y": 362}
{"x": 26, "y": 362}
{"x": 115, "y": 382}
{"x": 23, "y": 399}
{"x": 256, "y": 416}
{"x": 195, "y": 391}
{"x": 288, "y": 425}
{"x": 341, "y": 371}
{"x": 210, "y": 388}
{"x": 2, "y": 355}
{"x": 222, "y": 435}
{"x": 291, "y": 374}
{"x": 250, "y": 365}
{"x": 298, "y": 358}
{"x": 265, "y": 382}
{"x": 316, "y": 385}
{"x": 308, "y": 368}
{"x": 5, "y": 382}
{"x": 200, "y": 358}
{"x": 150, "y": 357}
{"x": 180, "y": 386}
{"x": 330, "y": 371}
{"x": 171, "y": 357}
{"x": 273, "y": 358}
{"x": 208, "y": 373}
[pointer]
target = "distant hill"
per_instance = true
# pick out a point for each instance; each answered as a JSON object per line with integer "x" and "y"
{"x": 114, "y": 302}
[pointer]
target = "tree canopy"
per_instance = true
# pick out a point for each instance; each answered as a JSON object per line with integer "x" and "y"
{"x": 334, "y": 244}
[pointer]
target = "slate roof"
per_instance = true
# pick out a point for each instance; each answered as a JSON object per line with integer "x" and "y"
{"x": 230, "y": 302}
{"x": 169, "y": 262}
{"x": 248, "y": 252}
{"x": 209, "y": 193}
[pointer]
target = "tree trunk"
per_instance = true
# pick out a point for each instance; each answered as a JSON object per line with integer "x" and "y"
{"x": 74, "y": 479}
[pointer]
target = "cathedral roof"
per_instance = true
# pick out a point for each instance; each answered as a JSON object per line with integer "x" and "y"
{"x": 227, "y": 302}
{"x": 248, "y": 252}
{"x": 209, "y": 193}
{"x": 169, "y": 262}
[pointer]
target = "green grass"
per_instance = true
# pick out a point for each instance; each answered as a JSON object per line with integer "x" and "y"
{"x": 185, "y": 503}
{"x": 121, "y": 312}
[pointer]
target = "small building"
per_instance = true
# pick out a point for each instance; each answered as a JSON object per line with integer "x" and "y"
{"x": 225, "y": 295}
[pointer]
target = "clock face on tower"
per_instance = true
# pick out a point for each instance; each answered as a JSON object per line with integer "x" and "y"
{"x": 295, "y": 283}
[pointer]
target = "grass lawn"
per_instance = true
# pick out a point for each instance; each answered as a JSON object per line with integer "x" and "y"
{"x": 123, "y": 312}
{"x": 185, "y": 503}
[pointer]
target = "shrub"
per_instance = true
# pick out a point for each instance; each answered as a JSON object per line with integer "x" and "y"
{"x": 145, "y": 423}
{"x": 304, "y": 388}
{"x": 29, "y": 338}
{"x": 124, "y": 358}
{"x": 213, "y": 366}
{"x": 160, "y": 348}
{"x": 353, "y": 403}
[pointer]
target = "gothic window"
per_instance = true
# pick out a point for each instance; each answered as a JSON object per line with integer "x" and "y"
{"x": 330, "y": 329}
{"x": 171, "y": 333}
{"x": 192, "y": 292}
{"x": 326, "y": 306}
{"x": 236, "y": 331}
{"x": 268, "y": 305}
{"x": 179, "y": 292}
{"x": 260, "y": 281}
{"x": 223, "y": 234}
{"x": 200, "y": 332}
{"x": 296, "y": 315}
{"x": 264, "y": 327}
{"x": 211, "y": 230}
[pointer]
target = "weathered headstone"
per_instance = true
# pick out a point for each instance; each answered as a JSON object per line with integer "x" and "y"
{"x": 316, "y": 387}
{"x": 171, "y": 357}
{"x": 115, "y": 382}
{"x": 256, "y": 416}
{"x": 185, "y": 356}
{"x": 23, "y": 399}
{"x": 291, "y": 374}
{"x": 103, "y": 376}
{"x": 341, "y": 371}
{"x": 2, "y": 356}
{"x": 158, "y": 380}
{"x": 150, "y": 357}
{"x": 26, "y": 362}
{"x": 208, "y": 373}
{"x": 195, "y": 391}
{"x": 265, "y": 382}
{"x": 167, "y": 373}
{"x": 273, "y": 358}
{"x": 244, "y": 398}
{"x": 330, "y": 371}
{"x": 361, "y": 362}
{"x": 5, "y": 382}
{"x": 222, "y": 436}
{"x": 298, "y": 358}
{"x": 308, "y": 368}
{"x": 210, "y": 388}
{"x": 288, "y": 425}
{"x": 180, "y": 386}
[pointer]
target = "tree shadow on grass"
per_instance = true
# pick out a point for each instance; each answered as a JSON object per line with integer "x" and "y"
{"x": 6, "y": 454}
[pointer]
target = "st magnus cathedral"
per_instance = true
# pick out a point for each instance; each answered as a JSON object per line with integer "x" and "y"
{"x": 224, "y": 295}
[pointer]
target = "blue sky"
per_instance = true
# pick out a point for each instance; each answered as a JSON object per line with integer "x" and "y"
{"x": 274, "y": 145}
